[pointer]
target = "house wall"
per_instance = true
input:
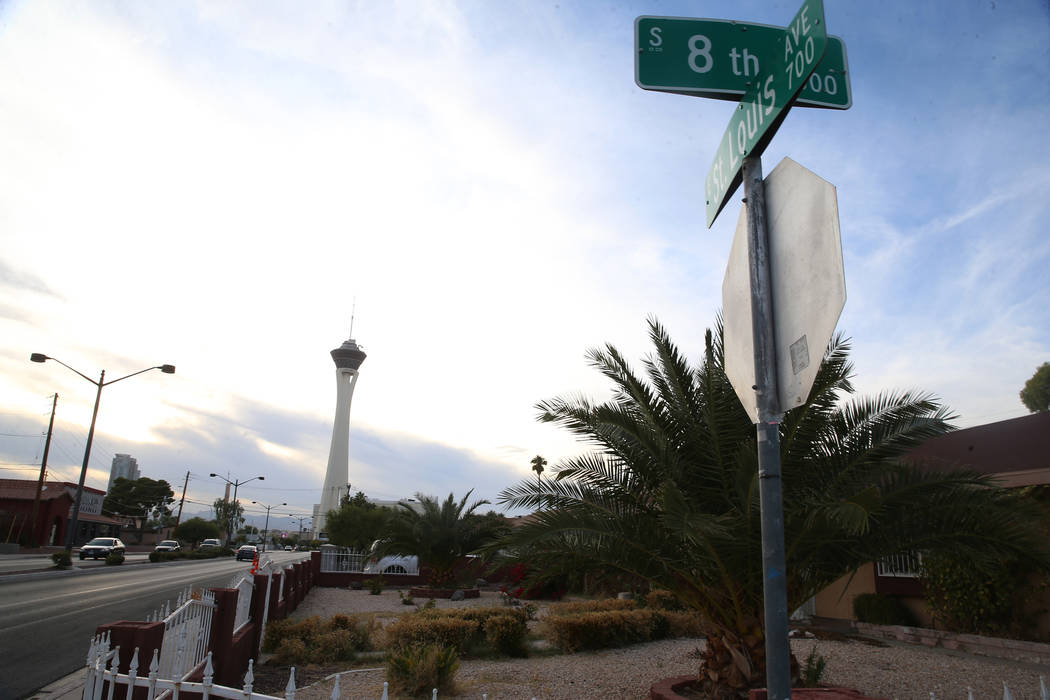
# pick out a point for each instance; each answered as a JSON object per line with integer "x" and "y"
{"x": 836, "y": 601}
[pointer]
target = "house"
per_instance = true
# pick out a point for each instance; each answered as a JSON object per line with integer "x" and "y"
{"x": 53, "y": 513}
{"x": 1016, "y": 452}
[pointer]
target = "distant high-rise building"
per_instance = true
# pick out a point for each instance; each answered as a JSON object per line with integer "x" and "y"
{"x": 123, "y": 466}
{"x": 348, "y": 358}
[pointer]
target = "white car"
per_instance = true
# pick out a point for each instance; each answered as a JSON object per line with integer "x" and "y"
{"x": 167, "y": 546}
{"x": 390, "y": 564}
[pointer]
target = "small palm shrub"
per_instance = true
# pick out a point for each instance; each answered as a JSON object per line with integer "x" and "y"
{"x": 813, "y": 670}
{"x": 375, "y": 585}
{"x": 417, "y": 669}
{"x": 62, "y": 560}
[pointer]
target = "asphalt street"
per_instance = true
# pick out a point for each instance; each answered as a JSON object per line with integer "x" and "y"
{"x": 47, "y": 618}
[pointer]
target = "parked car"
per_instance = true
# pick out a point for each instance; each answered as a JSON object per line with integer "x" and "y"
{"x": 167, "y": 546}
{"x": 101, "y": 547}
{"x": 288, "y": 548}
{"x": 246, "y": 551}
{"x": 211, "y": 544}
{"x": 391, "y": 564}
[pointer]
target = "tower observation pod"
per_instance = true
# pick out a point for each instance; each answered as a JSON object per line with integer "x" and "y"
{"x": 348, "y": 358}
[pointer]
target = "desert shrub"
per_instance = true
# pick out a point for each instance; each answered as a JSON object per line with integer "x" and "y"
{"x": 314, "y": 640}
{"x": 663, "y": 599}
{"x": 62, "y": 560}
{"x": 683, "y": 623}
{"x": 416, "y": 669}
{"x": 405, "y": 599}
{"x": 375, "y": 585}
{"x": 418, "y": 630}
{"x": 506, "y": 634}
{"x": 589, "y": 606}
{"x": 114, "y": 558}
{"x": 602, "y": 630}
{"x": 291, "y": 651}
{"x": 612, "y": 628}
{"x": 879, "y": 609}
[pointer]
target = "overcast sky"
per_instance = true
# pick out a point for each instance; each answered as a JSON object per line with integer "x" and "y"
{"x": 213, "y": 184}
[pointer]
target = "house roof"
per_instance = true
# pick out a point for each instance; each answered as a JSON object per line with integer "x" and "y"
{"x": 1017, "y": 451}
{"x": 25, "y": 489}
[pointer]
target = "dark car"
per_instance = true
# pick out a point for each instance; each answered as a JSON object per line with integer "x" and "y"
{"x": 101, "y": 547}
{"x": 246, "y": 551}
{"x": 167, "y": 546}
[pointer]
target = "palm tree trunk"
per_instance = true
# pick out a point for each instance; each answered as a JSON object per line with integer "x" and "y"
{"x": 730, "y": 664}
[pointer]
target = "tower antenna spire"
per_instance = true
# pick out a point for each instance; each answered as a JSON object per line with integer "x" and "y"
{"x": 353, "y": 311}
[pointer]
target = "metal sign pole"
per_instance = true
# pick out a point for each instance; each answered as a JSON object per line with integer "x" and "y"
{"x": 778, "y": 653}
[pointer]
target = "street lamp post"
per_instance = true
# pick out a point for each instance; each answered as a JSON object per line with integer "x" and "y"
{"x": 235, "y": 484}
{"x": 40, "y": 357}
{"x": 266, "y": 527}
{"x": 300, "y": 518}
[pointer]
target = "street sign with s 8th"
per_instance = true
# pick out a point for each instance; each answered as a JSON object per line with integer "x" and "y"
{"x": 720, "y": 59}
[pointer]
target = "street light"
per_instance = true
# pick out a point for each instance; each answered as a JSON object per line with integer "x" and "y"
{"x": 235, "y": 484}
{"x": 266, "y": 527}
{"x": 40, "y": 357}
{"x": 300, "y": 518}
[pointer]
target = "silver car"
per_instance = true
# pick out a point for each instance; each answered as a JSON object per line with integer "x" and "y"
{"x": 167, "y": 546}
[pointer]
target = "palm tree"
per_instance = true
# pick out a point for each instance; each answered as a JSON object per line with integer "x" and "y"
{"x": 538, "y": 463}
{"x": 439, "y": 534}
{"x": 669, "y": 495}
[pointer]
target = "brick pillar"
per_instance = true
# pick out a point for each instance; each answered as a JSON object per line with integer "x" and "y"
{"x": 129, "y": 635}
{"x": 300, "y": 585}
{"x": 275, "y": 587}
{"x": 315, "y": 567}
{"x": 222, "y": 620}
{"x": 258, "y": 610}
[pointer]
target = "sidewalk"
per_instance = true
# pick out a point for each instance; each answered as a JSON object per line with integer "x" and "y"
{"x": 70, "y": 687}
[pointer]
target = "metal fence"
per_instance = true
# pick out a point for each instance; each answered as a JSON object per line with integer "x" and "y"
{"x": 903, "y": 565}
{"x": 187, "y": 633}
{"x": 342, "y": 560}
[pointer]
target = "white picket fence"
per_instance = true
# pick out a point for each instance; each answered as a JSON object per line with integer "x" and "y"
{"x": 1044, "y": 694}
{"x": 103, "y": 678}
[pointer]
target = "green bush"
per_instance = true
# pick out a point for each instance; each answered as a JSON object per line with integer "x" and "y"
{"x": 506, "y": 634}
{"x": 114, "y": 558}
{"x": 879, "y": 609}
{"x": 415, "y": 670}
{"x": 62, "y": 560}
{"x": 813, "y": 670}
{"x": 977, "y": 599}
{"x": 375, "y": 585}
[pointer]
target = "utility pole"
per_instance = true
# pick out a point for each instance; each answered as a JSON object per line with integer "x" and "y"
{"x": 43, "y": 471}
{"x": 178, "y": 518}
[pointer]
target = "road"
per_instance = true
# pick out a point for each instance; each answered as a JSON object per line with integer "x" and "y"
{"x": 47, "y": 620}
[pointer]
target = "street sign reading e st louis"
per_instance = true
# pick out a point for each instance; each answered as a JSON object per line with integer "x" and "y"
{"x": 719, "y": 59}
{"x": 766, "y": 103}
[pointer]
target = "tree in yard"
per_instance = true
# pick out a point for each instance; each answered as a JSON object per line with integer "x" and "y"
{"x": 669, "y": 494}
{"x": 140, "y": 498}
{"x": 358, "y": 523}
{"x": 1036, "y": 392}
{"x": 538, "y": 463}
{"x": 439, "y": 535}
{"x": 228, "y": 514}
{"x": 196, "y": 529}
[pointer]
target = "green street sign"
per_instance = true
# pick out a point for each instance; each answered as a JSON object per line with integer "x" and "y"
{"x": 766, "y": 103}
{"x": 720, "y": 58}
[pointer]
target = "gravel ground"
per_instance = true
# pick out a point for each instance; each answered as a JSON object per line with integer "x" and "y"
{"x": 887, "y": 671}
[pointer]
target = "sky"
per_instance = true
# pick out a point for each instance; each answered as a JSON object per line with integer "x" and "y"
{"x": 485, "y": 193}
